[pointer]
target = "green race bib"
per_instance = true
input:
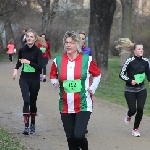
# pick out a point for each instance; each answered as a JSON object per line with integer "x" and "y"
{"x": 139, "y": 78}
{"x": 72, "y": 86}
{"x": 43, "y": 49}
{"x": 28, "y": 68}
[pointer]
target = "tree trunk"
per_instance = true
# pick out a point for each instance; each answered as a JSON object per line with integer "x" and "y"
{"x": 126, "y": 18}
{"x": 46, "y": 16}
{"x": 1, "y": 44}
{"x": 53, "y": 10}
{"x": 8, "y": 30}
{"x": 48, "y": 13}
{"x": 101, "y": 18}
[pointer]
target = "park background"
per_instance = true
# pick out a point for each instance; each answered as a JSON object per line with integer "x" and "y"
{"x": 104, "y": 21}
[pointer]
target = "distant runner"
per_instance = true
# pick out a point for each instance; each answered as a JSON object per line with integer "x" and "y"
{"x": 137, "y": 69}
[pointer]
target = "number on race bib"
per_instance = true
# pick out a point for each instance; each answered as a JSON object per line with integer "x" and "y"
{"x": 72, "y": 86}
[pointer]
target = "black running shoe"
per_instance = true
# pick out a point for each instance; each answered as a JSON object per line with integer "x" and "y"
{"x": 32, "y": 128}
{"x": 44, "y": 80}
{"x": 26, "y": 131}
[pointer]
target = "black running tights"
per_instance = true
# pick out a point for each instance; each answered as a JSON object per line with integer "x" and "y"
{"x": 136, "y": 102}
{"x": 29, "y": 90}
{"x": 75, "y": 125}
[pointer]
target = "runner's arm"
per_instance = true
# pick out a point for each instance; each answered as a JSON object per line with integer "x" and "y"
{"x": 53, "y": 73}
{"x": 147, "y": 71}
{"x": 124, "y": 71}
{"x": 18, "y": 64}
{"x": 96, "y": 73}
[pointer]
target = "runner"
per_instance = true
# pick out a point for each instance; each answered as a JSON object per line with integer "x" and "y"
{"x": 85, "y": 50}
{"x": 136, "y": 68}
{"x": 31, "y": 58}
{"x": 45, "y": 55}
{"x": 23, "y": 37}
{"x": 71, "y": 71}
{"x": 10, "y": 48}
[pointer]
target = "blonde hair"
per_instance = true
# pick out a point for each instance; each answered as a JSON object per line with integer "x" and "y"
{"x": 75, "y": 37}
{"x": 33, "y": 31}
{"x": 41, "y": 40}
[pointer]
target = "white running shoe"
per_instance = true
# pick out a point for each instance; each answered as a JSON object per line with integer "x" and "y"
{"x": 127, "y": 119}
{"x": 135, "y": 133}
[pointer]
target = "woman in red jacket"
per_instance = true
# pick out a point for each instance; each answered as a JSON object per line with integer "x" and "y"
{"x": 45, "y": 55}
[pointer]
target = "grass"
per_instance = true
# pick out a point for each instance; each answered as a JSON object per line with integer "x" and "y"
{"x": 112, "y": 89}
{"x": 8, "y": 142}
{"x": 4, "y": 57}
{"x": 54, "y": 54}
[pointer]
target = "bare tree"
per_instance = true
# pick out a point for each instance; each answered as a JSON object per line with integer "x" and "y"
{"x": 48, "y": 12}
{"x": 5, "y": 19}
{"x": 101, "y": 19}
{"x": 45, "y": 5}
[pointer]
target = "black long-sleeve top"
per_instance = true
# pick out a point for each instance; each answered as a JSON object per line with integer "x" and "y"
{"x": 132, "y": 66}
{"x": 34, "y": 55}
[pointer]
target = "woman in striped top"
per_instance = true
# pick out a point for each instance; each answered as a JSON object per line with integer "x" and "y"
{"x": 71, "y": 72}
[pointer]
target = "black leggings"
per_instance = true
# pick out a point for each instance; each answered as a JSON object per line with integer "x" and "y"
{"x": 29, "y": 89}
{"x": 75, "y": 125}
{"x": 132, "y": 98}
{"x": 10, "y": 57}
{"x": 44, "y": 64}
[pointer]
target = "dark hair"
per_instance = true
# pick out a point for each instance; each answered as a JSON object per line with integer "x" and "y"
{"x": 45, "y": 36}
{"x": 25, "y": 30}
{"x": 134, "y": 47}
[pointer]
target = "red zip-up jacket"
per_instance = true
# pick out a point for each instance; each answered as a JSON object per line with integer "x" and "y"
{"x": 47, "y": 53}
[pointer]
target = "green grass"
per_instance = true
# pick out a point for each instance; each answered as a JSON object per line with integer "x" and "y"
{"x": 112, "y": 89}
{"x": 9, "y": 142}
{"x": 4, "y": 57}
{"x": 54, "y": 54}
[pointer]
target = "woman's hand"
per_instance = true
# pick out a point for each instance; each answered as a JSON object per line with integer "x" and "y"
{"x": 134, "y": 82}
{"x": 90, "y": 91}
{"x": 24, "y": 61}
{"x": 15, "y": 74}
{"x": 56, "y": 85}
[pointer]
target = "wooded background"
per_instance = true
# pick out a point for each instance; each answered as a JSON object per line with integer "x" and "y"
{"x": 103, "y": 20}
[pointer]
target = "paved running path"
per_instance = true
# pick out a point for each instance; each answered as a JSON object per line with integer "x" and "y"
{"x": 107, "y": 130}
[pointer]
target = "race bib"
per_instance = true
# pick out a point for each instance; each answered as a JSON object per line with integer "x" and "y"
{"x": 28, "y": 68}
{"x": 139, "y": 78}
{"x": 43, "y": 49}
{"x": 72, "y": 86}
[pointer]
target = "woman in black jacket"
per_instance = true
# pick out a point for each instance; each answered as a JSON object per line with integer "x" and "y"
{"x": 30, "y": 57}
{"x": 136, "y": 68}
